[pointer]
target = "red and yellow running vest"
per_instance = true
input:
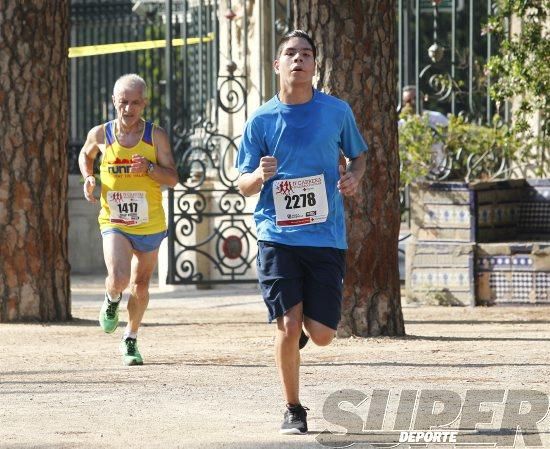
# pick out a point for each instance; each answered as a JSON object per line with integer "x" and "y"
{"x": 131, "y": 202}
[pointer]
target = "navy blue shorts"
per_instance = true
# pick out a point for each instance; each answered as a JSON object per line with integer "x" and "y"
{"x": 289, "y": 275}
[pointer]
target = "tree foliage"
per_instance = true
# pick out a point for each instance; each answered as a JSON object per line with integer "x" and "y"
{"x": 472, "y": 151}
{"x": 522, "y": 67}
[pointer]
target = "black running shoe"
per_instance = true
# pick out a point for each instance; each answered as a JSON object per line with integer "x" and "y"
{"x": 303, "y": 340}
{"x": 295, "y": 420}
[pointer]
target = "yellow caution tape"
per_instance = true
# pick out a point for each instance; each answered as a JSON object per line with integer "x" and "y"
{"x": 105, "y": 49}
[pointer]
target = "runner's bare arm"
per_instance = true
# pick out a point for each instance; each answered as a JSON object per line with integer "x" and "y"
{"x": 351, "y": 176}
{"x": 164, "y": 171}
{"x": 251, "y": 183}
{"x": 86, "y": 158}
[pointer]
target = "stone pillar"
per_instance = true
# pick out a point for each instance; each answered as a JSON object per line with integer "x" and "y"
{"x": 85, "y": 244}
{"x": 199, "y": 230}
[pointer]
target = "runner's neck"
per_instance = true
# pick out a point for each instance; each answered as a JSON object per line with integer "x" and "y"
{"x": 295, "y": 94}
{"x": 123, "y": 131}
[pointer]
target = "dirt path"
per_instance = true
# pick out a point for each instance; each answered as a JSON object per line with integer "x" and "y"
{"x": 209, "y": 379}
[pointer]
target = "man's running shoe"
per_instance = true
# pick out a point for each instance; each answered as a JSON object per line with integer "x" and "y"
{"x": 108, "y": 315}
{"x": 303, "y": 340}
{"x": 130, "y": 352}
{"x": 295, "y": 422}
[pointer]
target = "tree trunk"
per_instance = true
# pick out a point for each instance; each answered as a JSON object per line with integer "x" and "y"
{"x": 356, "y": 62}
{"x": 34, "y": 266}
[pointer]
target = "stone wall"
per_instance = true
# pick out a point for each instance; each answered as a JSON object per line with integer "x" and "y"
{"x": 85, "y": 247}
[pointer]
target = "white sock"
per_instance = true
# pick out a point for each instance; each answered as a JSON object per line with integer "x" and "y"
{"x": 128, "y": 334}
{"x": 114, "y": 300}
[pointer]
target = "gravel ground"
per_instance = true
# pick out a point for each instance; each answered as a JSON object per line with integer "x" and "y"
{"x": 209, "y": 379}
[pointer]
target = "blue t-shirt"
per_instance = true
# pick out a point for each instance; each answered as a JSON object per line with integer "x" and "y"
{"x": 306, "y": 140}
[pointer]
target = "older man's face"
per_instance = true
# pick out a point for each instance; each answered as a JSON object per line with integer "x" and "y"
{"x": 129, "y": 104}
{"x": 409, "y": 98}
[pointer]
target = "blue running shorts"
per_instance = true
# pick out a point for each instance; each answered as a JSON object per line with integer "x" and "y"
{"x": 142, "y": 243}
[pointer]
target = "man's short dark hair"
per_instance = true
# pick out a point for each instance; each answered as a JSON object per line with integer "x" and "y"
{"x": 296, "y": 33}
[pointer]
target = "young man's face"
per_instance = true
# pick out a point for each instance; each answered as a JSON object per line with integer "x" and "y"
{"x": 129, "y": 104}
{"x": 296, "y": 64}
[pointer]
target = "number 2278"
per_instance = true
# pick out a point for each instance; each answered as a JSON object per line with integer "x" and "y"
{"x": 298, "y": 201}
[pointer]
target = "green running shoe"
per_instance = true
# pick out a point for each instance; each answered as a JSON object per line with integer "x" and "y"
{"x": 108, "y": 315}
{"x": 130, "y": 352}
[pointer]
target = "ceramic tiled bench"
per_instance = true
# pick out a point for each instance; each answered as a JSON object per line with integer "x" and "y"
{"x": 480, "y": 243}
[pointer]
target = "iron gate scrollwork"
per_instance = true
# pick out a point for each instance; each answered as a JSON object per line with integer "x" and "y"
{"x": 210, "y": 221}
{"x": 212, "y": 234}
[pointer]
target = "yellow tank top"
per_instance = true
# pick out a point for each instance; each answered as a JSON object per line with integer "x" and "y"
{"x": 131, "y": 202}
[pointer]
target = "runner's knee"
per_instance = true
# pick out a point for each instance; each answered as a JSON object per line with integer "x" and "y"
{"x": 139, "y": 289}
{"x": 292, "y": 328}
{"x": 322, "y": 338}
{"x": 118, "y": 281}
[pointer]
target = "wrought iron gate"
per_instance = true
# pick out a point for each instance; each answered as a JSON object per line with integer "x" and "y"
{"x": 211, "y": 231}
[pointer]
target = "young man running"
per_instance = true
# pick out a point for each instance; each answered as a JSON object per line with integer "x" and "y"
{"x": 135, "y": 161}
{"x": 289, "y": 154}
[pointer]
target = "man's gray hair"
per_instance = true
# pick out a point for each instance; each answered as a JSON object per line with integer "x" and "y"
{"x": 132, "y": 81}
{"x": 409, "y": 88}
